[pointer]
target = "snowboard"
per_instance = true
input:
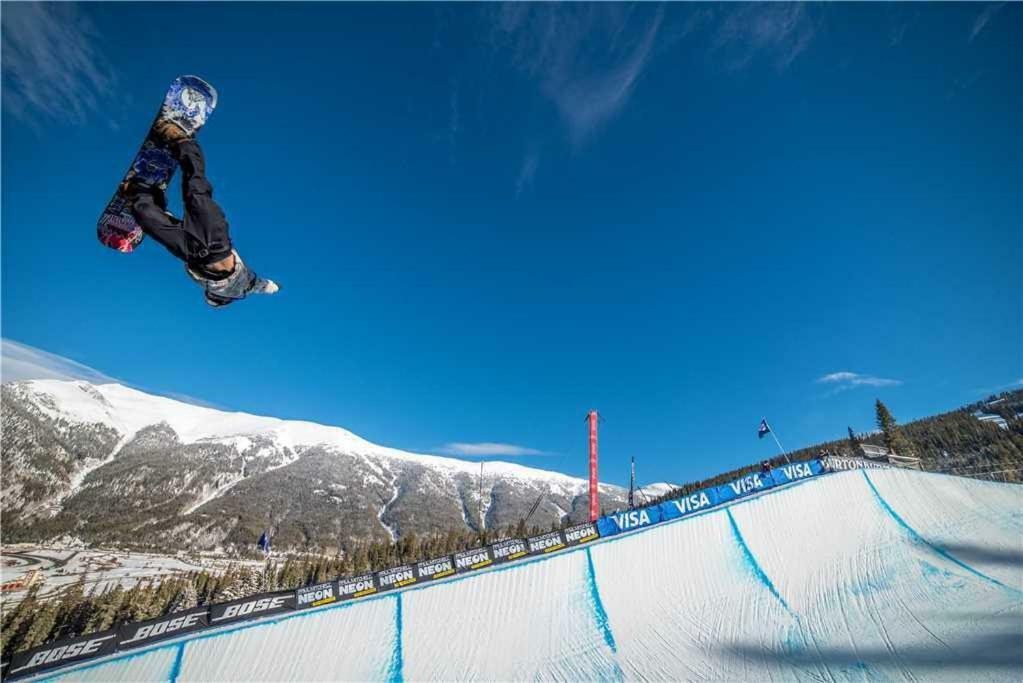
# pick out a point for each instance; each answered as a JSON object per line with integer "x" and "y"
{"x": 189, "y": 102}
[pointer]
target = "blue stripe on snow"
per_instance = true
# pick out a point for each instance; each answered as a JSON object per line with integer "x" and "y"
{"x": 752, "y": 562}
{"x": 920, "y": 539}
{"x": 600, "y": 616}
{"x": 598, "y": 604}
{"x": 176, "y": 668}
{"x": 396, "y": 673}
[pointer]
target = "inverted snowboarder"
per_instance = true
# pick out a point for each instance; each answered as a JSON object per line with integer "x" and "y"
{"x": 201, "y": 239}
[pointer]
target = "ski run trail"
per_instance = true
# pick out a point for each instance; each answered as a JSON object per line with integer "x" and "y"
{"x": 883, "y": 575}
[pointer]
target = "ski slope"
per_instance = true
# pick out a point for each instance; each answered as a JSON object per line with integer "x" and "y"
{"x": 879, "y": 575}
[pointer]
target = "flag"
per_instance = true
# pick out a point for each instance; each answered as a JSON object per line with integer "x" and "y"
{"x": 764, "y": 430}
{"x": 264, "y": 544}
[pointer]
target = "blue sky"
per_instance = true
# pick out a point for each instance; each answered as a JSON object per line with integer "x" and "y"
{"x": 488, "y": 219}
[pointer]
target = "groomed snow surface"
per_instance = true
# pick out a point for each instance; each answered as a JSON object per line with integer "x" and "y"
{"x": 886, "y": 575}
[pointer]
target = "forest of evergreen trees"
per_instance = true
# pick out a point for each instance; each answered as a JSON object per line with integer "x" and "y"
{"x": 36, "y": 621}
{"x": 955, "y": 442}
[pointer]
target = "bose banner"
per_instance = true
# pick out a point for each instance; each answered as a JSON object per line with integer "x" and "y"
{"x": 252, "y": 607}
{"x": 512, "y": 549}
{"x": 356, "y": 587}
{"x": 176, "y": 624}
{"x": 427, "y": 570}
{"x": 396, "y": 577}
{"x": 545, "y": 543}
{"x": 467, "y": 560}
{"x": 58, "y": 654}
{"x": 315, "y": 596}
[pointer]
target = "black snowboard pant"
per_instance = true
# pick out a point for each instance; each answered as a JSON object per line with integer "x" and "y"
{"x": 200, "y": 238}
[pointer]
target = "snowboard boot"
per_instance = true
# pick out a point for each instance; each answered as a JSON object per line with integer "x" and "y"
{"x": 169, "y": 132}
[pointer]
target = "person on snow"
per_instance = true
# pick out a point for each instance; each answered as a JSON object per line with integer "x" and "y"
{"x": 201, "y": 239}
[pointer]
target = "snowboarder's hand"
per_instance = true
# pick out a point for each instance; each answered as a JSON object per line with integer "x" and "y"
{"x": 263, "y": 286}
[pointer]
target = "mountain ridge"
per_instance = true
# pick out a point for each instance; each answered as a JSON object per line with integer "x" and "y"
{"x": 108, "y": 464}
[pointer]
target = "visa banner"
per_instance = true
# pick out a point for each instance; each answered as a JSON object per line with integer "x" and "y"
{"x": 796, "y": 471}
{"x": 698, "y": 501}
{"x": 627, "y": 520}
{"x": 687, "y": 505}
{"x": 743, "y": 486}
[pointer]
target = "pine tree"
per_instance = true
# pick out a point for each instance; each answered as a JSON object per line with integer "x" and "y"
{"x": 71, "y": 607}
{"x": 135, "y": 606}
{"x": 17, "y": 621}
{"x": 186, "y": 598}
{"x": 854, "y": 444}
{"x": 206, "y": 585}
{"x": 227, "y": 587}
{"x": 105, "y": 612}
{"x": 244, "y": 582}
{"x": 162, "y": 597}
{"x": 894, "y": 441}
{"x": 267, "y": 578}
{"x": 360, "y": 560}
{"x": 520, "y": 528}
{"x": 43, "y": 623}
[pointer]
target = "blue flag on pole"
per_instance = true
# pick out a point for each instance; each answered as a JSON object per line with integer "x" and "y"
{"x": 764, "y": 430}
{"x": 264, "y": 544}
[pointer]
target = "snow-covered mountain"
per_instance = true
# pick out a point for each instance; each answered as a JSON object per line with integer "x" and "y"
{"x": 109, "y": 464}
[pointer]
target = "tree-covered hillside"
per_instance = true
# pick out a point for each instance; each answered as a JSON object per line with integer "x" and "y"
{"x": 957, "y": 442}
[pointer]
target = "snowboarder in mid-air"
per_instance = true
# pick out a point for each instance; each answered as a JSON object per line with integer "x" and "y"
{"x": 139, "y": 207}
{"x": 201, "y": 239}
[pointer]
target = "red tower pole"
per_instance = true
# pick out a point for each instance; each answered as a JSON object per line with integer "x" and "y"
{"x": 594, "y": 502}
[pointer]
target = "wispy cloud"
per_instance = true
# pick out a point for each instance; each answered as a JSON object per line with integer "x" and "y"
{"x": 984, "y": 18}
{"x": 849, "y": 380}
{"x": 775, "y": 32}
{"x": 527, "y": 173}
{"x": 1000, "y": 388}
{"x": 20, "y": 362}
{"x": 454, "y": 119}
{"x": 487, "y": 449}
{"x": 52, "y": 65}
{"x": 585, "y": 58}
{"x": 900, "y": 19}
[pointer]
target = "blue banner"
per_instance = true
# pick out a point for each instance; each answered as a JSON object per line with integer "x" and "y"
{"x": 687, "y": 505}
{"x": 705, "y": 499}
{"x": 796, "y": 471}
{"x": 744, "y": 486}
{"x": 627, "y": 520}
